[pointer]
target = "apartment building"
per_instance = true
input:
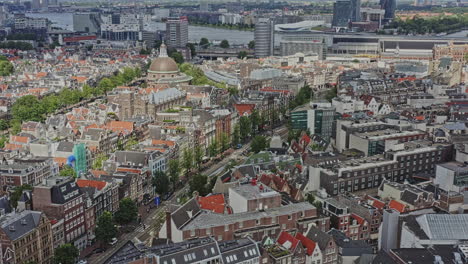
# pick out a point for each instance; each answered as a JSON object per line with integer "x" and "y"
{"x": 61, "y": 198}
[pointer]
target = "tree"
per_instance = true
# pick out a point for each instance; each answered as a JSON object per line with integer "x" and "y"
{"x": 4, "y": 125}
{"x": 127, "y": 212}
{"x": 310, "y": 198}
{"x": 245, "y": 127}
{"x": 224, "y": 141}
{"x": 177, "y": 56}
{"x": 242, "y": 54}
{"x": 191, "y": 46}
{"x": 105, "y": 85}
{"x": 187, "y": 159}
{"x": 213, "y": 149}
{"x": 160, "y": 182}
{"x": 259, "y": 143}
{"x": 66, "y": 254}
{"x": 17, "y": 192}
{"x": 236, "y": 135}
{"x": 144, "y": 51}
{"x": 224, "y": 44}
{"x": 6, "y": 68}
{"x": 174, "y": 171}
{"x": 331, "y": 94}
{"x": 198, "y": 156}
{"x": 105, "y": 228}
{"x": 204, "y": 42}
{"x": 67, "y": 171}
{"x": 198, "y": 184}
{"x": 3, "y": 141}
{"x": 252, "y": 44}
{"x": 27, "y": 108}
{"x": 15, "y": 125}
{"x": 99, "y": 161}
{"x": 255, "y": 120}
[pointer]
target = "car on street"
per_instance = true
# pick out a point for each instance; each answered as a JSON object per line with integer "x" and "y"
{"x": 98, "y": 250}
{"x": 113, "y": 242}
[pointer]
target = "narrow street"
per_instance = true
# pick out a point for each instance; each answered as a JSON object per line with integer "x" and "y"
{"x": 151, "y": 219}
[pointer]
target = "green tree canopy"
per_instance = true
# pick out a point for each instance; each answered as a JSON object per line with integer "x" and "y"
{"x": 27, "y": 108}
{"x": 242, "y": 54}
{"x": 198, "y": 183}
{"x": 224, "y": 44}
{"x": 213, "y": 149}
{"x": 127, "y": 212}
{"x": 245, "y": 127}
{"x": 67, "y": 171}
{"x": 204, "y": 42}
{"x": 17, "y": 192}
{"x": 161, "y": 182}
{"x": 191, "y": 46}
{"x": 174, "y": 171}
{"x": 187, "y": 159}
{"x": 225, "y": 141}
{"x": 66, "y": 254}
{"x": 236, "y": 135}
{"x": 105, "y": 228}
{"x": 198, "y": 155}
{"x": 177, "y": 56}
{"x": 259, "y": 143}
{"x": 252, "y": 44}
{"x": 6, "y": 68}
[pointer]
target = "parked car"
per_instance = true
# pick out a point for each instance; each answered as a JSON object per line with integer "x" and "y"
{"x": 113, "y": 242}
{"x": 98, "y": 250}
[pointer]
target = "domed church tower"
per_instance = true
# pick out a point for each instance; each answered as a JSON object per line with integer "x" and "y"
{"x": 164, "y": 70}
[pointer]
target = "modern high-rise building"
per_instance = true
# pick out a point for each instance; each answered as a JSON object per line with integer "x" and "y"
{"x": 345, "y": 11}
{"x": 389, "y": 6}
{"x": 315, "y": 117}
{"x": 264, "y": 37}
{"x": 177, "y": 32}
{"x": 87, "y": 22}
{"x": 304, "y": 43}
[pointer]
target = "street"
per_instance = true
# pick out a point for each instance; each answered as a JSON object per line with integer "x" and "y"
{"x": 151, "y": 220}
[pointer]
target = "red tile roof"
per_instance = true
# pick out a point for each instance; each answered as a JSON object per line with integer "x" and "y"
{"x": 397, "y": 206}
{"x": 120, "y": 126}
{"x": 244, "y": 109}
{"x": 163, "y": 142}
{"x": 90, "y": 183}
{"x": 307, "y": 243}
{"x": 376, "y": 203}
{"x": 214, "y": 203}
{"x": 19, "y": 139}
{"x": 359, "y": 219}
{"x": 286, "y": 237}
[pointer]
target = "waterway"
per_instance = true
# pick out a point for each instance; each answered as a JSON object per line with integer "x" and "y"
{"x": 65, "y": 21}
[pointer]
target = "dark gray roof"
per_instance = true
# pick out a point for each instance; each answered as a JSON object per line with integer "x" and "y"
{"x": 126, "y": 157}
{"x": 128, "y": 252}
{"x": 247, "y": 171}
{"x": 93, "y": 133}
{"x": 382, "y": 258}
{"x": 16, "y": 225}
{"x": 358, "y": 247}
{"x": 409, "y": 197}
{"x": 65, "y": 191}
{"x": 238, "y": 251}
{"x": 426, "y": 255}
{"x": 191, "y": 251}
{"x": 185, "y": 213}
{"x": 320, "y": 237}
{"x": 65, "y": 146}
{"x": 5, "y": 204}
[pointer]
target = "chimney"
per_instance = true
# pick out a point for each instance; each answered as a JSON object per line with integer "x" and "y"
{"x": 168, "y": 225}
